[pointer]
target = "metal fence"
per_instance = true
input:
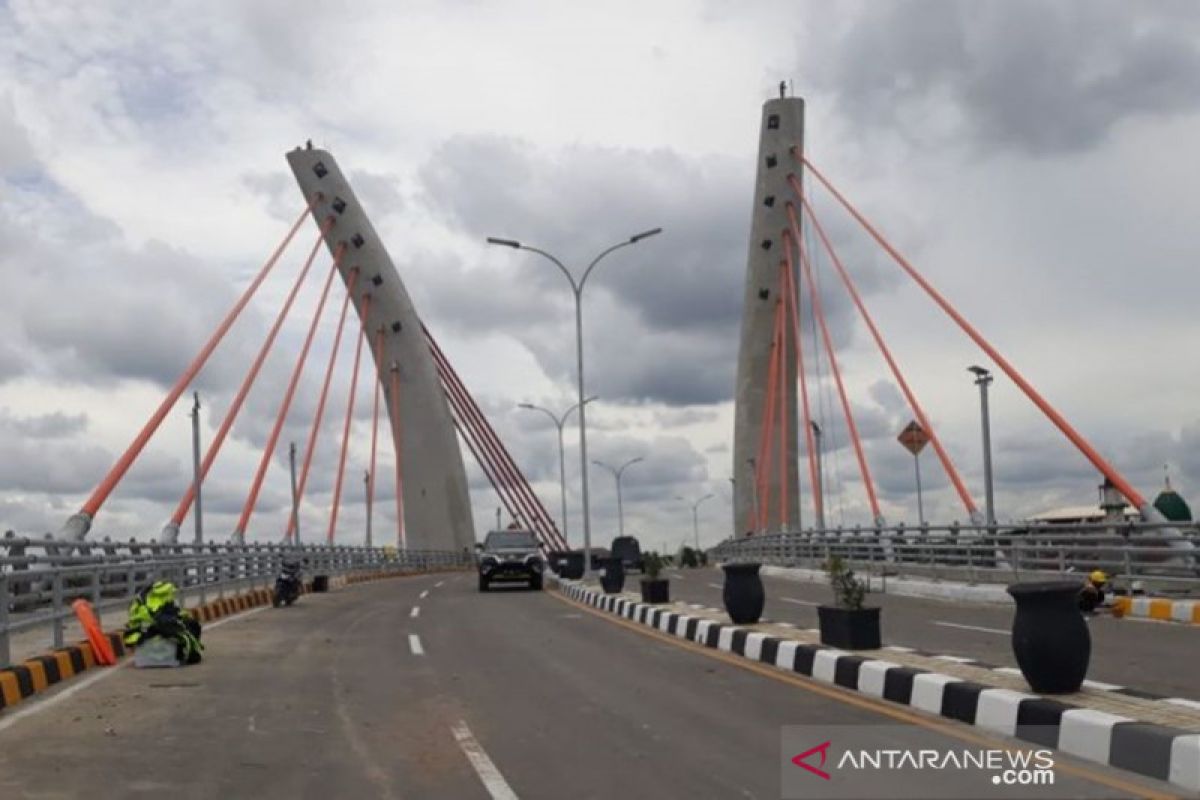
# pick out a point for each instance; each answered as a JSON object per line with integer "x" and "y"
{"x": 40, "y": 578}
{"x": 1158, "y": 557}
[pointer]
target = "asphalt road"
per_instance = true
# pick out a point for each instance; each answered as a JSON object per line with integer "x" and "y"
{"x": 509, "y": 693}
{"x": 1144, "y": 654}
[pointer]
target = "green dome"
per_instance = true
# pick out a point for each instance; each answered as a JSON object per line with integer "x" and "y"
{"x": 1172, "y": 506}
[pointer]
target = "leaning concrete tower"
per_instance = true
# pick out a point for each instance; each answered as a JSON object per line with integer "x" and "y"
{"x": 437, "y": 507}
{"x": 782, "y": 128}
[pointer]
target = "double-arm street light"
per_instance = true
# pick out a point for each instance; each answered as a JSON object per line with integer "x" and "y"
{"x": 617, "y": 473}
{"x": 559, "y": 422}
{"x": 577, "y": 289}
{"x": 696, "y": 518}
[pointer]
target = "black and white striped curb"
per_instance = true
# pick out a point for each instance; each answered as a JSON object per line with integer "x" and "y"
{"x": 1155, "y": 751}
{"x": 1100, "y": 686}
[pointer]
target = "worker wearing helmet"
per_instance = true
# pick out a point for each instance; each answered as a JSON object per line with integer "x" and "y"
{"x": 1091, "y": 596}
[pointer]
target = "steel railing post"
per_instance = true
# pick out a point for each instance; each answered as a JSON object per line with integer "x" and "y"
{"x": 56, "y": 585}
{"x": 5, "y": 652}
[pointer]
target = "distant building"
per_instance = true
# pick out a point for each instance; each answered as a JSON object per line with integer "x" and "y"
{"x": 1172, "y": 506}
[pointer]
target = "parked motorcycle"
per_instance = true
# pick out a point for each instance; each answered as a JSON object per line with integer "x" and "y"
{"x": 288, "y": 584}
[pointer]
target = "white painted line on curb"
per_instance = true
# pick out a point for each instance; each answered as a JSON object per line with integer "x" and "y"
{"x": 414, "y": 642}
{"x": 38, "y": 706}
{"x": 416, "y": 612}
{"x": 492, "y": 780}
{"x": 971, "y": 627}
{"x": 799, "y": 602}
{"x": 424, "y": 594}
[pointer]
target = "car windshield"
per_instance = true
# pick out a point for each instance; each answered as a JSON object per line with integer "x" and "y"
{"x": 510, "y": 539}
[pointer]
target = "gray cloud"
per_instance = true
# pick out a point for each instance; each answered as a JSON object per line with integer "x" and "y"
{"x": 1040, "y": 78}
{"x": 661, "y": 319}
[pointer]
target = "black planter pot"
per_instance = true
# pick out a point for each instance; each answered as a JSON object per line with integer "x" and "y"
{"x": 613, "y": 579}
{"x": 656, "y": 590}
{"x": 743, "y": 594}
{"x": 571, "y": 565}
{"x": 849, "y": 628}
{"x": 320, "y": 583}
{"x": 1049, "y": 636}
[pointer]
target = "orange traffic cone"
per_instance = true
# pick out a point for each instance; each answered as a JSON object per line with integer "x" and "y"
{"x": 101, "y": 647}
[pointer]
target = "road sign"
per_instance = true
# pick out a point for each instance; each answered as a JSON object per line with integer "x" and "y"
{"x": 913, "y": 437}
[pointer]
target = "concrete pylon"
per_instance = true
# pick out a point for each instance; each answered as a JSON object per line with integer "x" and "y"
{"x": 437, "y": 507}
{"x": 782, "y": 128}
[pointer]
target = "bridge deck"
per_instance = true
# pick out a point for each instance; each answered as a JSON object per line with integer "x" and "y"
{"x": 329, "y": 699}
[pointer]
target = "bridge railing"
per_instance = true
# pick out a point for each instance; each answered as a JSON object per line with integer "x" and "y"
{"x": 40, "y": 578}
{"x": 1160, "y": 557}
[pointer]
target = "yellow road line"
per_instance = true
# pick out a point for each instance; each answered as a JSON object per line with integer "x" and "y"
{"x": 855, "y": 699}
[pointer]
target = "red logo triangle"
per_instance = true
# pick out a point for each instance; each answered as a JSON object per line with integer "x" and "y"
{"x": 823, "y": 750}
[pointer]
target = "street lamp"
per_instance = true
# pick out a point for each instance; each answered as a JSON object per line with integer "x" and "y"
{"x": 696, "y": 518}
{"x": 983, "y": 378}
{"x": 577, "y": 289}
{"x": 559, "y": 422}
{"x": 617, "y": 473}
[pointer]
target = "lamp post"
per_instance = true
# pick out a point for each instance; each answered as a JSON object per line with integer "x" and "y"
{"x": 559, "y": 422}
{"x": 295, "y": 495}
{"x": 367, "y": 488}
{"x": 196, "y": 477}
{"x": 817, "y": 434}
{"x": 617, "y": 473}
{"x": 696, "y": 519}
{"x": 983, "y": 379}
{"x": 577, "y": 289}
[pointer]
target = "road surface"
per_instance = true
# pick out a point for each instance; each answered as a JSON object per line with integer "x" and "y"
{"x": 505, "y": 694}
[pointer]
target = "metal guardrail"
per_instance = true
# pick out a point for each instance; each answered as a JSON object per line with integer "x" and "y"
{"x": 1163, "y": 557}
{"x": 40, "y": 578}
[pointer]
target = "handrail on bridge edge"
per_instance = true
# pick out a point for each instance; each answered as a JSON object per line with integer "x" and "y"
{"x": 39, "y": 578}
{"x": 1156, "y": 556}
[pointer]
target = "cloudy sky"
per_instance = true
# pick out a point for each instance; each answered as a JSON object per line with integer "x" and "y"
{"x": 1034, "y": 159}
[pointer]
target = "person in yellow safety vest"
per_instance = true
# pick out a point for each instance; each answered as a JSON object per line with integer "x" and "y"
{"x": 1091, "y": 596}
{"x": 154, "y": 612}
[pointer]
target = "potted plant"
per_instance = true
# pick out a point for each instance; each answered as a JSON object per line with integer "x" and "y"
{"x": 613, "y": 579}
{"x": 1049, "y": 636}
{"x": 743, "y": 593}
{"x": 654, "y": 588}
{"x": 847, "y": 624}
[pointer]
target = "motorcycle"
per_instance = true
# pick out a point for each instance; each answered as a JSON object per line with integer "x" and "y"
{"x": 287, "y": 585}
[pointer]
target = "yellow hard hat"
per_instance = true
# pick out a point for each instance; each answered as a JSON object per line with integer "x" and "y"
{"x": 1098, "y": 576}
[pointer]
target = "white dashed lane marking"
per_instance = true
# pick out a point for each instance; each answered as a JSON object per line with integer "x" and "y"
{"x": 492, "y": 780}
{"x": 414, "y": 642}
{"x": 971, "y": 627}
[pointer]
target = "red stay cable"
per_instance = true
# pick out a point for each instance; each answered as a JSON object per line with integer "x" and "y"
{"x": 311, "y": 447}
{"x": 1123, "y": 486}
{"x": 118, "y": 470}
{"x": 185, "y": 503}
{"x": 374, "y": 423}
{"x": 341, "y": 473}
{"x": 768, "y": 425}
{"x": 401, "y": 533}
{"x": 265, "y": 461}
{"x": 789, "y": 282}
{"x": 794, "y": 225}
{"x": 781, "y": 361}
{"x": 942, "y": 455}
